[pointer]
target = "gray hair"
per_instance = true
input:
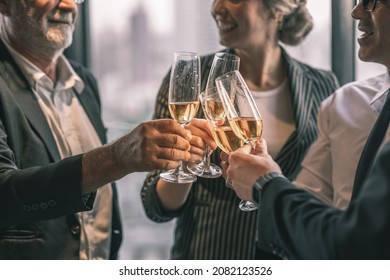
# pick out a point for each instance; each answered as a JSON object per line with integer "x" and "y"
{"x": 297, "y": 21}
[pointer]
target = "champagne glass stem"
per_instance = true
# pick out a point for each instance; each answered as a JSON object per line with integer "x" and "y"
{"x": 206, "y": 157}
{"x": 205, "y": 168}
{"x": 246, "y": 205}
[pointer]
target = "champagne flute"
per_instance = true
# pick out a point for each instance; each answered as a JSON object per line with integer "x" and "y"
{"x": 242, "y": 113}
{"x": 222, "y": 63}
{"x": 221, "y": 130}
{"x": 183, "y": 102}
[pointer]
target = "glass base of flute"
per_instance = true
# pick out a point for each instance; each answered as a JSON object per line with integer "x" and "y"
{"x": 204, "y": 168}
{"x": 247, "y": 206}
{"x": 178, "y": 176}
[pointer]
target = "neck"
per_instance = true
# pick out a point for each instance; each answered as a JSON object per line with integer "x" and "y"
{"x": 43, "y": 58}
{"x": 263, "y": 69}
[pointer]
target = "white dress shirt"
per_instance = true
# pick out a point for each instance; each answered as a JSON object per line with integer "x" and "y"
{"x": 73, "y": 133}
{"x": 345, "y": 120}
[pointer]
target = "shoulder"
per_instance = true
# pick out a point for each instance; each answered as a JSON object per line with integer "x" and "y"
{"x": 85, "y": 74}
{"x": 82, "y": 71}
{"x": 357, "y": 92}
{"x": 206, "y": 60}
{"x": 296, "y": 67}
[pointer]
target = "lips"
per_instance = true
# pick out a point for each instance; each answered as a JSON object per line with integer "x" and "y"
{"x": 60, "y": 22}
{"x": 365, "y": 32}
{"x": 225, "y": 26}
{"x": 61, "y": 18}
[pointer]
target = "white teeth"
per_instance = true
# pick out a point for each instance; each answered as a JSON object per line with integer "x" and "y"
{"x": 364, "y": 34}
{"x": 225, "y": 26}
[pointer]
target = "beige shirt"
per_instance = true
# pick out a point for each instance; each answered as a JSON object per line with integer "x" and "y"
{"x": 74, "y": 134}
{"x": 276, "y": 109}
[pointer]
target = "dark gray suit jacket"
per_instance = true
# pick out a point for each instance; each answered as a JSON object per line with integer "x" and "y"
{"x": 39, "y": 193}
{"x": 294, "y": 224}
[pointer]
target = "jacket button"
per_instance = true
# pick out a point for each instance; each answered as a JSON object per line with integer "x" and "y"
{"x": 27, "y": 208}
{"x": 35, "y": 207}
{"x": 75, "y": 229}
{"x": 51, "y": 203}
{"x": 43, "y": 205}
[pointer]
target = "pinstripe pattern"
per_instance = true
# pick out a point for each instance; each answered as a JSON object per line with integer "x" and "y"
{"x": 210, "y": 224}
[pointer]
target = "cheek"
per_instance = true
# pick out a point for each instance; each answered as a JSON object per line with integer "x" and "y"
{"x": 43, "y": 8}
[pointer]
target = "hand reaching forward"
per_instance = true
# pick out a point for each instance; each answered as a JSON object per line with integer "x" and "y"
{"x": 157, "y": 144}
{"x": 244, "y": 166}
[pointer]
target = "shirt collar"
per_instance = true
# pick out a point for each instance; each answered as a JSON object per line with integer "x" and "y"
{"x": 67, "y": 77}
{"x": 379, "y": 99}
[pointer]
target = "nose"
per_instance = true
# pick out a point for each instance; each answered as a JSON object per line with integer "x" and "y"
{"x": 217, "y": 7}
{"x": 358, "y": 11}
{"x": 68, "y": 5}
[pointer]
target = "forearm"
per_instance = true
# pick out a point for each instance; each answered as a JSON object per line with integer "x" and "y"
{"x": 172, "y": 196}
{"x": 99, "y": 167}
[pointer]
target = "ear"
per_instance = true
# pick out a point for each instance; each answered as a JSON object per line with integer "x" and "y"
{"x": 276, "y": 15}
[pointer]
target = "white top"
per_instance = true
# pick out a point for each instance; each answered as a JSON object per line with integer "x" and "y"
{"x": 345, "y": 120}
{"x": 73, "y": 133}
{"x": 276, "y": 109}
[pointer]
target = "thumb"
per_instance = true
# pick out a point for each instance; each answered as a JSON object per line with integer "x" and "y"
{"x": 246, "y": 149}
{"x": 260, "y": 148}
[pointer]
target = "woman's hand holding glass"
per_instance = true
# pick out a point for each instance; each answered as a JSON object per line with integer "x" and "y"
{"x": 200, "y": 140}
{"x": 222, "y": 63}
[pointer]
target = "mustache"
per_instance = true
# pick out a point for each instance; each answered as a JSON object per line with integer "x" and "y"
{"x": 62, "y": 16}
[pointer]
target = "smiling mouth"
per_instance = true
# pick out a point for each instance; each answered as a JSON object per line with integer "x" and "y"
{"x": 60, "y": 22}
{"x": 365, "y": 34}
{"x": 225, "y": 26}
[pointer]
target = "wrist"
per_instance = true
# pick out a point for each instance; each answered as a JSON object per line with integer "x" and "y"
{"x": 262, "y": 182}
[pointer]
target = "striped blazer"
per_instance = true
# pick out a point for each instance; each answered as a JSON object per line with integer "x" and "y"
{"x": 210, "y": 224}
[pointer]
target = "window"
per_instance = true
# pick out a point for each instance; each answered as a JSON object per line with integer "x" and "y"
{"x": 132, "y": 47}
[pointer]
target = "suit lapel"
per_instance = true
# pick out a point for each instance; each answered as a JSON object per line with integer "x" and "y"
{"x": 300, "y": 83}
{"x": 29, "y": 105}
{"x": 90, "y": 102}
{"x": 26, "y": 100}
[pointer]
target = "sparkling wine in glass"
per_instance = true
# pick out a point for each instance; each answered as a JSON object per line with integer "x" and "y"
{"x": 222, "y": 63}
{"x": 183, "y": 102}
{"x": 221, "y": 130}
{"x": 242, "y": 113}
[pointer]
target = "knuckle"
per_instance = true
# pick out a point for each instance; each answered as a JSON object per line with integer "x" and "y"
{"x": 172, "y": 153}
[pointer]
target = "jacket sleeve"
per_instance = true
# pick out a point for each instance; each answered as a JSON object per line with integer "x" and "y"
{"x": 41, "y": 192}
{"x": 295, "y": 224}
{"x": 33, "y": 185}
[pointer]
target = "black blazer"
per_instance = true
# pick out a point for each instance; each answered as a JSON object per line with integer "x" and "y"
{"x": 294, "y": 224}
{"x": 39, "y": 193}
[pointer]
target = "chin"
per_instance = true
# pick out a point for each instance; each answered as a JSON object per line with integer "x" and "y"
{"x": 226, "y": 43}
{"x": 59, "y": 39}
{"x": 365, "y": 57}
